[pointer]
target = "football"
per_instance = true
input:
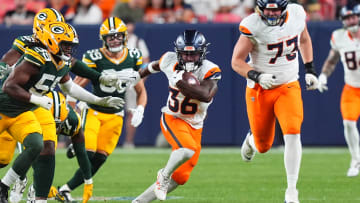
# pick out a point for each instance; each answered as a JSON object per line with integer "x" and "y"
{"x": 190, "y": 78}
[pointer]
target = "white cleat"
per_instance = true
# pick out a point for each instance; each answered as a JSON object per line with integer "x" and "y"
{"x": 17, "y": 191}
{"x": 291, "y": 196}
{"x": 161, "y": 185}
{"x": 247, "y": 152}
{"x": 354, "y": 169}
{"x": 31, "y": 194}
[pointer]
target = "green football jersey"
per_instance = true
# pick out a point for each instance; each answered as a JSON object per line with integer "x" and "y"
{"x": 22, "y": 42}
{"x": 99, "y": 61}
{"x": 49, "y": 75}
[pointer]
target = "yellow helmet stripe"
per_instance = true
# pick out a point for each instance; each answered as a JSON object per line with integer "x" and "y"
{"x": 58, "y": 15}
{"x": 57, "y": 105}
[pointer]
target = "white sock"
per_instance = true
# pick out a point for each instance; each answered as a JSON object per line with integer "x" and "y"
{"x": 148, "y": 195}
{"x": 172, "y": 185}
{"x": 65, "y": 188}
{"x": 292, "y": 158}
{"x": 10, "y": 177}
{"x": 252, "y": 142}
{"x": 177, "y": 157}
{"x": 352, "y": 139}
{"x": 40, "y": 201}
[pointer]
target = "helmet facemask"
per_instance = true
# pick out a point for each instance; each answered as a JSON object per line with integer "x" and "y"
{"x": 191, "y": 49}
{"x": 353, "y": 26}
{"x": 273, "y": 20}
{"x": 67, "y": 50}
{"x": 190, "y": 61}
{"x": 115, "y": 42}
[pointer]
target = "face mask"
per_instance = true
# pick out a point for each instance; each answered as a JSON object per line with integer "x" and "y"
{"x": 353, "y": 28}
{"x": 116, "y": 49}
{"x": 190, "y": 66}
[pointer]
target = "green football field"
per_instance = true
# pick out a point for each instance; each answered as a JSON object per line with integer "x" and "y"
{"x": 221, "y": 176}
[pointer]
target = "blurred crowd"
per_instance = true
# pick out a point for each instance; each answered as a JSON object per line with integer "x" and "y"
{"x": 22, "y": 12}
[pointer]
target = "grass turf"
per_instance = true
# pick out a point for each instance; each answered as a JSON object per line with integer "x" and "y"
{"x": 220, "y": 176}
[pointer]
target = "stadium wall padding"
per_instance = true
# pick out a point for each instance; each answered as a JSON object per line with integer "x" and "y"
{"x": 227, "y": 120}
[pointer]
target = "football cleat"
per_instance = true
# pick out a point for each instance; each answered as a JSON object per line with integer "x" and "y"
{"x": 17, "y": 191}
{"x": 64, "y": 196}
{"x": 53, "y": 192}
{"x": 291, "y": 196}
{"x": 70, "y": 152}
{"x": 247, "y": 152}
{"x": 161, "y": 185}
{"x": 354, "y": 169}
{"x": 31, "y": 194}
{"x": 4, "y": 189}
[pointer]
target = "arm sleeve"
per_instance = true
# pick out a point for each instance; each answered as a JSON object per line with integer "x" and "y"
{"x": 78, "y": 92}
{"x": 82, "y": 70}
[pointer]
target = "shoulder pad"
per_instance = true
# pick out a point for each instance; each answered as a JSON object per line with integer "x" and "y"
{"x": 37, "y": 55}
{"x": 21, "y": 42}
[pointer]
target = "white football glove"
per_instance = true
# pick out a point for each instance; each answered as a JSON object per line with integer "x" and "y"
{"x": 42, "y": 101}
{"x": 5, "y": 69}
{"x": 322, "y": 83}
{"x": 81, "y": 105}
{"x": 312, "y": 82}
{"x": 129, "y": 75}
{"x": 108, "y": 79}
{"x": 109, "y": 101}
{"x": 137, "y": 115}
{"x": 177, "y": 75}
{"x": 266, "y": 80}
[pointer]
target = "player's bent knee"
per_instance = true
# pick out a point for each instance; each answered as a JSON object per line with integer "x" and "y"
{"x": 34, "y": 143}
{"x": 5, "y": 159}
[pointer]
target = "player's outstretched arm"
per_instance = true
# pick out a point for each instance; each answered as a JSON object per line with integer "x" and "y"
{"x": 76, "y": 91}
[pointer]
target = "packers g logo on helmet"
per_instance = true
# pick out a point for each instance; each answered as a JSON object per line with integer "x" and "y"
{"x": 113, "y": 26}
{"x": 60, "y": 39}
{"x": 44, "y": 16}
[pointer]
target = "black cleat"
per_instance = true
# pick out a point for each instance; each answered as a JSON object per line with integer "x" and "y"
{"x": 4, "y": 193}
{"x": 64, "y": 196}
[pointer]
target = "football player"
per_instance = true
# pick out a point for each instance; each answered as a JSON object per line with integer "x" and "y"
{"x": 344, "y": 46}
{"x": 272, "y": 37}
{"x": 43, "y": 65}
{"x": 102, "y": 125}
{"x": 43, "y": 17}
{"x": 183, "y": 116}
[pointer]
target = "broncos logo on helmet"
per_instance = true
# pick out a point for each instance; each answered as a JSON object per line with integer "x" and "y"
{"x": 114, "y": 28}
{"x": 60, "y": 39}
{"x": 191, "y": 49}
{"x": 45, "y": 16}
{"x": 349, "y": 11}
{"x": 272, "y": 4}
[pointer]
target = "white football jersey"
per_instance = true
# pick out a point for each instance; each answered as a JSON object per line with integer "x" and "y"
{"x": 349, "y": 49}
{"x": 276, "y": 47}
{"x": 190, "y": 110}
